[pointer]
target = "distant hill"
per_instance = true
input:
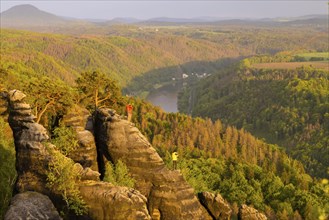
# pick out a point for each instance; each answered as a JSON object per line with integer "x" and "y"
{"x": 28, "y": 15}
{"x": 302, "y": 18}
{"x": 319, "y": 20}
{"x": 311, "y": 21}
{"x": 125, "y": 20}
{"x": 183, "y": 20}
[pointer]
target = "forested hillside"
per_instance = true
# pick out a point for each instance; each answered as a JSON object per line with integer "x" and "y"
{"x": 124, "y": 52}
{"x": 220, "y": 158}
{"x": 121, "y": 58}
{"x": 288, "y": 107}
{"x": 243, "y": 40}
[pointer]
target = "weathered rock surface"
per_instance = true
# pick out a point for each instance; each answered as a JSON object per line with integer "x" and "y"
{"x": 3, "y": 102}
{"x": 216, "y": 205}
{"x": 32, "y": 163}
{"x": 32, "y": 157}
{"x": 166, "y": 190}
{"x": 112, "y": 202}
{"x": 81, "y": 121}
{"x": 31, "y": 205}
{"x": 164, "y": 194}
{"x": 249, "y": 213}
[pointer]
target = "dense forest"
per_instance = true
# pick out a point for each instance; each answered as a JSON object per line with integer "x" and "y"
{"x": 288, "y": 107}
{"x": 220, "y": 158}
{"x": 121, "y": 57}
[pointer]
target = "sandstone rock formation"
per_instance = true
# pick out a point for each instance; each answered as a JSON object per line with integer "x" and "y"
{"x": 163, "y": 194}
{"x": 216, "y": 205}
{"x": 249, "y": 213}
{"x": 81, "y": 121}
{"x": 3, "y": 102}
{"x": 33, "y": 159}
{"x": 113, "y": 202}
{"x": 166, "y": 190}
{"x": 31, "y": 205}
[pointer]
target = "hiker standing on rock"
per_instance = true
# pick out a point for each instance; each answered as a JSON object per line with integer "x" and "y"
{"x": 129, "y": 109}
{"x": 174, "y": 156}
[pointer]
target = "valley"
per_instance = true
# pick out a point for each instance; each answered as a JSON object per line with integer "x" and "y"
{"x": 244, "y": 102}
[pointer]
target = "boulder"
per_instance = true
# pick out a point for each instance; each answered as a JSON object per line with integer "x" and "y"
{"x": 31, "y": 205}
{"x": 249, "y": 213}
{"x": 106, "y": 201}
{"x": 216, "y": 205}
{"x": 167, "y": 191}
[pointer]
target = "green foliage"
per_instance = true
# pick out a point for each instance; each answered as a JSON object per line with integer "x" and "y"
{"x": 7, "y": 166}
{"x": 202, "y": 174}
{"x": 243, "y": 183}
{"x": 315, "y": 56}
{"x": 48, "y": 95}
{"x": 286, "y": 107}
{"x": 122, "y": 57}
{"x": 285, "y": 57}
{"x": 65, "y": 139}
{"x": 219, "y": 158}
{"x": 124, "y": 52}
{"x": 98, "y": 90}
{"x": 118, "y": 174}
{"x": 62, "y": 177}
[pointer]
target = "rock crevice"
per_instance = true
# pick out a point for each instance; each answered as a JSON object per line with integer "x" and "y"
{"x": 80, "y": 120}
{"x": 216, "y": 205}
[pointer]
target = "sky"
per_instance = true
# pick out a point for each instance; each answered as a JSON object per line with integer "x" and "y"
{"x": 107, "y": 9}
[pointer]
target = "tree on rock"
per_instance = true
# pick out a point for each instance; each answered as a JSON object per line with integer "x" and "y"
{"x": 98, "y": 89}
{"x": 48, "y": 95}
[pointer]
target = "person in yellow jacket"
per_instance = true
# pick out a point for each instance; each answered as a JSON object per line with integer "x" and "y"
{"x": 174, "y": 156}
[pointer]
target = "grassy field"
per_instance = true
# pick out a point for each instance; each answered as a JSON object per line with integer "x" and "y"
{"x": 292, "y": 65}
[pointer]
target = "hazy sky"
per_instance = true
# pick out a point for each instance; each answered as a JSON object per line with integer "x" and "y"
{"x": 178, "y": 9}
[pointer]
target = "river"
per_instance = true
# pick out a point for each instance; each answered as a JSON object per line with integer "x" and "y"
{"x": 165, "y": 97}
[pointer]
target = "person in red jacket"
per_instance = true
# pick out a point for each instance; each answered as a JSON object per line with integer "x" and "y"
{"x": 129, "y": 109}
